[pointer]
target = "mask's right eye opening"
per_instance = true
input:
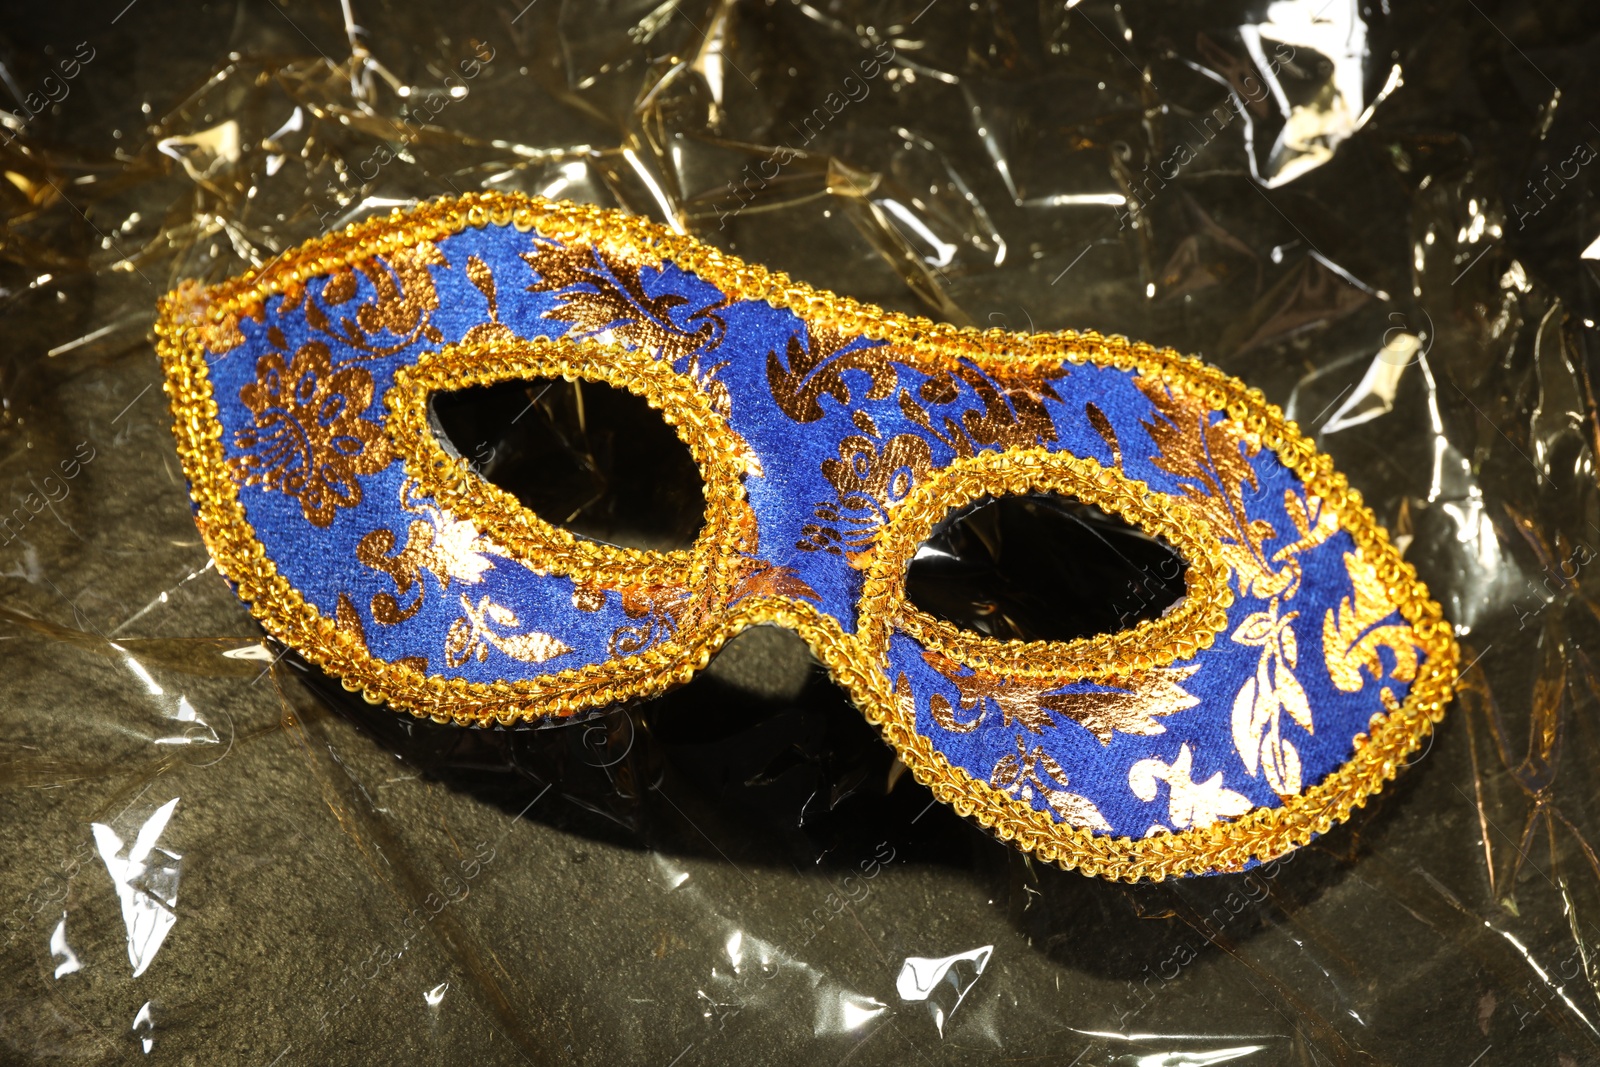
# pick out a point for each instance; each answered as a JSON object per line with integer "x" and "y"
{"x": 1043, "y": 567}
{"x": 586, "y": 456}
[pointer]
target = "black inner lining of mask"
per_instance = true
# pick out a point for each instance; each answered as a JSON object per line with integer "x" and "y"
{"x": 585, "y": 456}
{"x": 1042, "y": 567}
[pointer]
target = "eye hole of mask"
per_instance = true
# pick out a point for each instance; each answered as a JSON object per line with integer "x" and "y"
{"x": 1042, "y": 567}
{"x": 585, "y": 456}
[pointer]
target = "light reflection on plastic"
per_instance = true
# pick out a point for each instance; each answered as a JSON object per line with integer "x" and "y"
{"x": 664, "y": 202}
{"x": 59, "y": 947}
{"x": 185, "y": 713}
{"x": 921, "y": 979}
{"x": 1196, "y": 1059}
{"x": 858, "y": 1012}
{"x": 1374, "y": 394}
{"x": 148, "y": 891}
{"x": 674, "y": 875}
{"x": 1459, "y": 496}
{"x": 258, "y": 652}
{"x": 1313, "y": 130}
{"x": 143, "y": 1019}
{"x": 736, "y": 949}
{"x": 1079, "y": 200}
{"x": 205, "y": 153}
{"x": 944, "y": 252}
{"x": 139, "y": 672}
{"x": 1544, "y": 975}
{"x": 435, "y": 996}
{"x": 571, "y": 174}
{"x": 841, "y": 1011}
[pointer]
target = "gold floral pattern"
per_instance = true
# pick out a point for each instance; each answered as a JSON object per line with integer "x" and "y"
{"x": 482, "y": 279}
{"x": 1211, "y": 461}
{"x": 1029, "y": 772}
{"x": 659, "y": 608}
{"x": 1353, "y": 632}
{"x": 474, "y": 634}
{"x": 762, "y": 577}
{"x": 815, "y": 369}
{"x": 402, "y": 305}
{"x": 1264, "y": 699}
{"x": 1131, "y": 708}
{"x": 870, "y": 475}
{"x": 603, "y": 294}
{"x": 449, "y": 549}
{"x": 1013, "y": 414}
{"x": 1190, "y": 804}
{"x": 868, "y": 480}
{"x": 309, "y": 439}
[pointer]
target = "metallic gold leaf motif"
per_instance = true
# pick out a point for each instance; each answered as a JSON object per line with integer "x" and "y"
{"x": 1033, "y": 705}
{"x": 1261, "y": 702}
{"x": 770, "y": 579}
{"x": 472, "y": 635}
{"x": 1190, "y": 804}
{"x": 588, "y": 597}
{"x": 402, "y": 306}
{"x": 1030, "y": 771}
{"x": 816, "y": 369}
{"x": 868, "y": 480}
{"x": 661, "y": 610}
{"x": 340, "y": 287}
{"x": 447, "y": 548}
{"x": 1108, "y": 433}
{"x": 761, "y": 577}
{"x": 405, "y": 296}
{"x": 1013, "y": 413}
{"x": 1353, "y": 633}
{"x": 309, "y": 439}
{"x": 870, "y": 475}
{"x": 1131, "y": 710}
{"x": 482, "y": 279}
{"x": 347, "y": 620}
{"x": 1212, "y": 464}
{"x": 602, "y": 294}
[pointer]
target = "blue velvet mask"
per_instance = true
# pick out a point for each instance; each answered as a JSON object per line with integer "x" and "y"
{"x": 1301, "y": 665}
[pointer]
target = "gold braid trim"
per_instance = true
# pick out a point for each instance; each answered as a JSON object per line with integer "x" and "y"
{"x": 1190, "y": 626}
{"x": 185, "y": 321}
{"x": 498, "y": 513}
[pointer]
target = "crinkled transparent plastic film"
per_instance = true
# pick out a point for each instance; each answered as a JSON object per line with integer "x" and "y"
{"x": 1382, "y": 215}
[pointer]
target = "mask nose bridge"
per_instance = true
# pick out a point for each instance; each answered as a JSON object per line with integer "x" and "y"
{"x": 891, "y": 417}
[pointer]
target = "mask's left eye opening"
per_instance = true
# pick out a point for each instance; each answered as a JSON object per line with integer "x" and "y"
{"x": 582, "y": 455}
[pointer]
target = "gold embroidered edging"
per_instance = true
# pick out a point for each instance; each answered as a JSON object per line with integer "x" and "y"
{"x": 461, "y": 492}
{"x": 1192, "y": 624}
{"x": 188, "y": 316}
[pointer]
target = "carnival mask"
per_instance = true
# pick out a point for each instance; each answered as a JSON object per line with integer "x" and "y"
{"x": 1303, "y": 661}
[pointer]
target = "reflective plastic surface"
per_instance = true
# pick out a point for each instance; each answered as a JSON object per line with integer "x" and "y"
{"x": 1382, "y": 215}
